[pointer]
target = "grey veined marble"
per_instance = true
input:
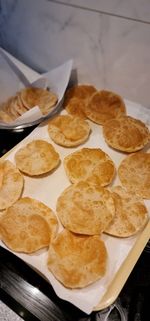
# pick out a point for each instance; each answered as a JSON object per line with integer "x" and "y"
{"x": 108, "y": 51}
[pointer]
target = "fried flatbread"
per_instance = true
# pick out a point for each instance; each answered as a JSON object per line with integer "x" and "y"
{"x": 77, "y": 260}
{"x": 36, "y": 158}
{"x": 131, "y": 213}
{"x": 24, "y": 233}
{"x": 11, "y": 184}
{"x": 81, "y": 92}
{"x": 134, "y": 174}
{"x": 26, "y": 99}
{"x": 33, "y": 96}
{"x": 5, "y": 117}
{"x": 126, "y": 134}
{"x": 85, "y": 208}
{"x": 68, "y": 131}
{"x": 30, "y": 206}
{"x": 76, "y": 107}
{"x": 90, "y": 163}
{"x": 104, "y": 105}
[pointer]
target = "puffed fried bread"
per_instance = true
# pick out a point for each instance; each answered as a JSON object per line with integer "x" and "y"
{"x": 11, "y": 184}
{"x": 81, "y": 92}
{"x": 24, "y": 100}
{"x": 104, "y": 105}
{"x": 24, "y": 233}
{"x": 85, "y": 208}
{"x": 31, "y": 206}
{"x": 77, "y": 260}
{"x": 36, "y": 158}
{"x": 126, "y": 134}
{"x": 134, "y": 174}
{"x": 131, "y": 213}
{"x": 76, "y": 107}
{"x": 68, "y": 131}
{"x": 33, "y": 96}
{"x": 89, "y": 163}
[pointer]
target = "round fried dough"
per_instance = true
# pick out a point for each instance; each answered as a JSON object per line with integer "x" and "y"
{"x": 81, "y": 92}
{"x": 33, "y": 96}
{"x": 19, "y": 107}
{"x": 126, "y": 134}
{"x": 30, "y": 206}
{"x": 24, "y": 233}
{"x": 7, "y": 107}
{"x": 11, "y": 184}
{"x": 68, "y": 131}
{"x": 36, "y": 158}
{"x": 85, "y": 209}
{"x": 134, "y": 174}
{"x": 104, "y": 105}
{"x": 12, "y": 107}
{"x": 90, "y": 163}
{"x": 131, "y": 213}
{"x": 5, "y": 117}
{"x": 77, "y": 260}
{"x": 76, "y": 107}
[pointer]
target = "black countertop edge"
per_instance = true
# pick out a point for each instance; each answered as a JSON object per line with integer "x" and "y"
{"x": 21, "y": 288}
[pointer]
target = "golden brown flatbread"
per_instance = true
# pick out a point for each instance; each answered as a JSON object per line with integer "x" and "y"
{"x": 24, "y": 233}
{"x": 134, "y": 174}
{"x": 33, "y": 96}
{"x": 4, "y": 117}
{"x": 131, "y": 213}
{"x": 11, "y": 184}
{"x": 85, "y": 208}
{"x": 104, "y": 105}
{"x": 68, "y": 131}
{"x": 90, "y": 163}
{"x": 77, "y": 260}
{"x": 30, "y": 206}
{"x": 126, "y": 134}
{"x": 36, "y": 158}
{"x": 26, "y": 99}
{"x": 7, "y": 107}
{"x": 18, "y": 105}
{"x": 11, "y": 109}
{"x": 81, "y": 92}
{"x": 76, "y": 107}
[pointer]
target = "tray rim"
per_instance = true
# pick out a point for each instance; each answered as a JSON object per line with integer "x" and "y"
{"x": 125, "y": 269}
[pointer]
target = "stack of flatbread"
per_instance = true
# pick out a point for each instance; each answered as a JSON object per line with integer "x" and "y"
{"x": 26, "y": 99}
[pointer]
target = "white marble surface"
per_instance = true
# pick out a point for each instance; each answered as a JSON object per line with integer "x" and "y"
{"x": 133, "y": 9}
{"x": 6, "y": 314}
{"x": 108, "y": 51}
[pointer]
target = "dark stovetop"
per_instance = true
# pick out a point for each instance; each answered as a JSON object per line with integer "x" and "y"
{"x": 9, "y": 138}
{"x": 33, "y": 298}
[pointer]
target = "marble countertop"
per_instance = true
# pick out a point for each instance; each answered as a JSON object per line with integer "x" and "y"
{"x": 108, "y": 40}
{"x": 7, "y": 314}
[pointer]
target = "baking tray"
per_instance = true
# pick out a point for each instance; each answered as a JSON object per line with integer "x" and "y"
{"x": 102, "y": 293}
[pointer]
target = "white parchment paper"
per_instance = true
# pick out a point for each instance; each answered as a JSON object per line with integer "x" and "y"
{"x": 48, "y": 189}
{"x": 12, "y": 79}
